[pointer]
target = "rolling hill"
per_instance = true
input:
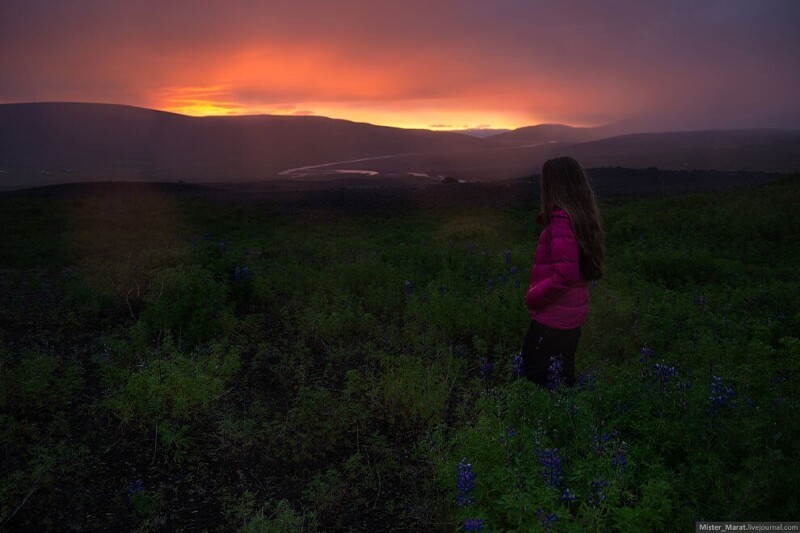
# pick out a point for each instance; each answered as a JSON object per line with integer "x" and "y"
{"x": 50, "y": 143}
{"x": 42, "y": 142}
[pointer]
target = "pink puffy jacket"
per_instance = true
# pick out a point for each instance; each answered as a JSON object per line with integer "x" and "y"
{"x": 558, "y": 296}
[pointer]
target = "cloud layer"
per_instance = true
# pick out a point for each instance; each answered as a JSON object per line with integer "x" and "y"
{"x": 505, "y": 63}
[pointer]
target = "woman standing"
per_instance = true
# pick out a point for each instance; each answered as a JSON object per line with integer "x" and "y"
{"x": 570, "y": 253}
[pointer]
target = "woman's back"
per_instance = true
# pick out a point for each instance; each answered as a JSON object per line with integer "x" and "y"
{"x": 558, "y": 295}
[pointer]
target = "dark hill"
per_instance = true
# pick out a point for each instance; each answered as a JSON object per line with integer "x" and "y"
{"x": 771, "y": 150}
{"x": 40, "y": 141}
{"x": 542, "y": 133}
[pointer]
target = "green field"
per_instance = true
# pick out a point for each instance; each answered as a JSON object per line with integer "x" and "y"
{"x": 147, "y": 384}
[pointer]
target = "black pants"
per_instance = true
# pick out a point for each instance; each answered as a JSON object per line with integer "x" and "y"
{"x": 542, "y": 342}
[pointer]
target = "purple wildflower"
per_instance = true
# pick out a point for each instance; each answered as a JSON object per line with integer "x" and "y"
{"x": 547, "y": 519}
{"x": 551, "y": 466}
{"x": 508, "y": 257}
{"x": 781, "y": 376}
{"x": 663, "y": 374}
{"x": 407, "y": 288}
{"x": 586, "y": 380}
{"x": 465, "y": 484}
{"x": 555, "y": 372}
{"x": 620, "y": 460}
{"x": 647, "y": 354}
{"x": 473, "y": 524}
{"x": 721, "y": 395}
{"x": 135, "y": 487}
{"x": 568, "y": 497}
{"x": 485, "y": 369}
{"x": 242, "y": 273}
{"x": 596, "y": 495}
{"x": 621, "y": 407}
{"x": 510, "y": 434}
{"x": 600, "y": 441}
{"x": 517, "y": 366}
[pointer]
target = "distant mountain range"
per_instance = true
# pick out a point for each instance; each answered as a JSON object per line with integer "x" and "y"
{"x": 114, "y": 140}
{"x": 46, "y": 143}
{"x": 482, "y": 133}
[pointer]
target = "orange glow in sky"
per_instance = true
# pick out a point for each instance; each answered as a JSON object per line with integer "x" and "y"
{"x": 188, "y": 102}
{"x": 435, "y": 64}
{"x": 324, "y": 82}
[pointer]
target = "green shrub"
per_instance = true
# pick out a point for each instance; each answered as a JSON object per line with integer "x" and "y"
{"x": 171, "y": 394}
{"x": 190, "y": 305}
{"x": 411, "y": 395}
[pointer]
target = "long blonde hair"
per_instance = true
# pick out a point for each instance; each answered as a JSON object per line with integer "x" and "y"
{"x": 564, "y": 184}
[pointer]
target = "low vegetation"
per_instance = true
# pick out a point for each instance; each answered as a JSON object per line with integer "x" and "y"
{"x": 183, "y": 363}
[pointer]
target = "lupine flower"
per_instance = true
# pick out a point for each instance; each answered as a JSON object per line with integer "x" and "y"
{"x": 647, "y": 354}
{"x": 547, "y": 519}
{"x": 242, "y": 273}
{"x": 596, "y": 495}
{"x": 664, "y": 373}
{"x": 721, "y": 395}
{"x": 555, "y": 372}
{"x": 471, "y": 246}
{"x": 473, "y": 524}
{"x": 510, "y": 434}
{"x": 407, "y": 287}
{"x": 776, "y": 403}
{"x": 508, "y": 257}
{"x": 221, "y": 246}
{"x": 551, "y": 466}
{"x": 135, "y": 487}
{"x": 594, "y": 283}
{"x": 781, "y": 376}
{"x": 513, "y": 270}
{"x": 517, "y": 366}
{"x": 620, "y": 460}
{"x": 600, "y": 441}
{"x": 485, "y": 369}
{"x": 441, "y": 290}
{"x": 206, "y": 236}
{"x": 465, "y": 484}
{"x": 586, "y": 380}
{"x": 568, "y": 497}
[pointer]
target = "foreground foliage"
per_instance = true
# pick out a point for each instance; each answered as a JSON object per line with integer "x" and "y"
{"x": 175, "y": 363}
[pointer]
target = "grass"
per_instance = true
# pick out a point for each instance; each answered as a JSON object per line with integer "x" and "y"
{"x": 144, "y": 384}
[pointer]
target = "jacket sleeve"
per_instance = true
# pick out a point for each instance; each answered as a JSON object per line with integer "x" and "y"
{"x": 566, "y": 256}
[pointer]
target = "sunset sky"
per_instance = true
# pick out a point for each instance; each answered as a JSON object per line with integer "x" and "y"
{"x": 416, "y": 63}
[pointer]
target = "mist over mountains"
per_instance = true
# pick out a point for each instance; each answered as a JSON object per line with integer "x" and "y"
{"x": 48, "y": 143}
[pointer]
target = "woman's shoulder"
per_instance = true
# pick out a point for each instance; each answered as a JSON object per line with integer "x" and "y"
{"x": 562, "y": 225}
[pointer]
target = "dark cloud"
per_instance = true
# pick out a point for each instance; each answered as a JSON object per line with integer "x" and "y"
{"x": 716, "y": 63}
